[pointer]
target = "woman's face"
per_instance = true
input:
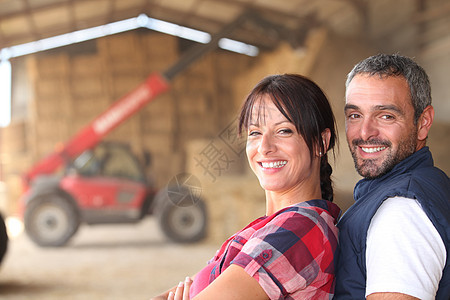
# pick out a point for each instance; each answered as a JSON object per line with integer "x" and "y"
{"x": 276, "y": 152}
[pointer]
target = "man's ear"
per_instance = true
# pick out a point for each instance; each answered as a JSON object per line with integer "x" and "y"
{"x": 424, "y": 123}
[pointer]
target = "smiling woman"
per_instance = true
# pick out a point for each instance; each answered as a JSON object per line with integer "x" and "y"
{"x": 279, "y": 157}
{"x": 289, "y": 252}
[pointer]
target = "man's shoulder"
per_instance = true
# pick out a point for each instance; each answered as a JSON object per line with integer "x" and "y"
{"x": 434, "y": 170}
{"x": 431, "y": 182}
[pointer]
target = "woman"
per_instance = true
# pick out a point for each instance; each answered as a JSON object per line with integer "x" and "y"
{"x": 289, "y": 252}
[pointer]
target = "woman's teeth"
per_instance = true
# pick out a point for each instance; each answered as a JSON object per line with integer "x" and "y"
{"x": 276, "y": 164}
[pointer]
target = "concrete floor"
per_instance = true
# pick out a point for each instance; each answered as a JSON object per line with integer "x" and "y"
{"x": 100, "y": 262}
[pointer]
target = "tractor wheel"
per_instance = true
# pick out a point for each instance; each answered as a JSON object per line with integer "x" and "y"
{"x": 3, "y": 238}
{"x": 51, "y": 220}
{"x": 183, "y": 224}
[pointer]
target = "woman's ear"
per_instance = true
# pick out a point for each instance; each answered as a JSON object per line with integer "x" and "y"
{"x": 326, "y": 135}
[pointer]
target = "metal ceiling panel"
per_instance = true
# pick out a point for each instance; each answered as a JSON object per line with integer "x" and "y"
{"x": 220, "y": 11}
{"x": 100, "y": 9}
{"x": 181, "y": 5}
{"x": 11, "y": 6}
{"x": 120, "y": 5}
{"x": 53, "y": 17}
{"x": 15, "y": 26}
{"x": 28, "y": 20}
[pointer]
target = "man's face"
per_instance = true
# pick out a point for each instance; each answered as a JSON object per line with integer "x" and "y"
{"x": 379, "y": 123}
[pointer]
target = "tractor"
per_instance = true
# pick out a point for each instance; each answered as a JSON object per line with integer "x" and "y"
{"x": 106, "y": 185}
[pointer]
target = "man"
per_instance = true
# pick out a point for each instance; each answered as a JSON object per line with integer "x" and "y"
{"x": 394, "y": 241}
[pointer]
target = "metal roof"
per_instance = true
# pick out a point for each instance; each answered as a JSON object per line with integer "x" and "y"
{"x": 23, "y": 21}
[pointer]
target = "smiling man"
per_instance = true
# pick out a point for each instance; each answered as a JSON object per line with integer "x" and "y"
{"x": 395, "y": 239}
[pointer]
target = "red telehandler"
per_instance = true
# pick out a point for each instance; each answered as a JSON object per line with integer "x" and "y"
{"x": 104, "y": 182}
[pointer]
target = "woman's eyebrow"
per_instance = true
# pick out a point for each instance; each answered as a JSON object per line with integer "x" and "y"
{"x": 257, "y": 123}
{"x": 282, "y": 122}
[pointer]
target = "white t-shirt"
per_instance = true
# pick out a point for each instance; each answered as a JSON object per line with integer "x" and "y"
{"x": 405, "y": 253}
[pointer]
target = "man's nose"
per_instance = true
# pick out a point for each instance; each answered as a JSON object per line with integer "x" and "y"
{"x": 369, "y": 129}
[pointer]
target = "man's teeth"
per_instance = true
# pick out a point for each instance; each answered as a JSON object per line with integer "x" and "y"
{"x": 372, "y": 150}
{"x": 275, "y": 164}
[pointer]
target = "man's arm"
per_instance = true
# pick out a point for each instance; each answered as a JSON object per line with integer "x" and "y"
{"x": 390, "y": 296}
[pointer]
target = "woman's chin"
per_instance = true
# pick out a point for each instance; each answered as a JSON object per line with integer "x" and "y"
{"x": 270, "y": 186}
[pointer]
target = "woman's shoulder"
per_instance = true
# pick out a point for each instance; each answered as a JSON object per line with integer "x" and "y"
{"x": 309, "y": 210}
{"x": 303, "y": 218}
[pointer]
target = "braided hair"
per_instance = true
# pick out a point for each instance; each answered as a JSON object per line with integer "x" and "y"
{"x": 326, "y": 184}
{"x": 304, "y": 104}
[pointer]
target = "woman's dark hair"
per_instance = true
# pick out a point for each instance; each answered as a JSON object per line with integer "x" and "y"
{"x": 304, "y": 104}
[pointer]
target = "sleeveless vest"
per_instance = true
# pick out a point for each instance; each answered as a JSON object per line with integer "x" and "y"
{"x": 414, "y": 177}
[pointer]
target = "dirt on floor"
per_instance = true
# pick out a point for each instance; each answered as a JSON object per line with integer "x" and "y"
{"x": 100, "y": 262}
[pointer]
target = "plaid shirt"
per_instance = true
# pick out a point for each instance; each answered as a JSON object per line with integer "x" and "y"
{"x": 290, "y": 253}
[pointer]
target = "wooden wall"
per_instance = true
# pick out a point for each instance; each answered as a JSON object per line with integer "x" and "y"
{"x": 69, "y": 87}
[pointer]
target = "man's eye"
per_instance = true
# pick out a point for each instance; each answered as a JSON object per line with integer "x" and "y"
{"x": 353, "y": 116}
{"x": 387, "y": 117}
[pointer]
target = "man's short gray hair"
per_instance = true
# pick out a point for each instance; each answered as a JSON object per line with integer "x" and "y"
{"x": 385, "y": 65}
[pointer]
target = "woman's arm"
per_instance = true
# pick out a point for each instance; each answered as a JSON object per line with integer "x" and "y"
{"x": 181, "y": 291}
{"x": 233, "y": 283}
{"x": 165, "y": 295}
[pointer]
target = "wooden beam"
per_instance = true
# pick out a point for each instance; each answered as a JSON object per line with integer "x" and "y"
{"x": 437, "y": 12}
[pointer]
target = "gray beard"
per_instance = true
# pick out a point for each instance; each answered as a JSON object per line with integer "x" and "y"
{"x": 370, "y": 169}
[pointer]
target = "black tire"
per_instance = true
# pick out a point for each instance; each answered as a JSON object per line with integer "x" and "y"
{"x": 3, "y": 238}
{"x": 183, "y": 224}
{"x": 51, "y": 220}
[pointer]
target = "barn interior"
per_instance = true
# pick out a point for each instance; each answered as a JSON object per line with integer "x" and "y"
{"x": 69, "y": 61}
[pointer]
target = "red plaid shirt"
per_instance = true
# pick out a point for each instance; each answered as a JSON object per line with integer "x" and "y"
{"x": 290, "y": 253}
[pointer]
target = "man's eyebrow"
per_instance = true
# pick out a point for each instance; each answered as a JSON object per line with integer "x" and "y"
{"x": 389, "y": 107}
{"x": 377, "y": 108}
{"x": 350, "y": 106}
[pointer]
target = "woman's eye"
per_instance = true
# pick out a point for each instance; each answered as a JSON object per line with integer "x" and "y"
{"x": 286, "y": 131}
{"x": 253, "y": 133}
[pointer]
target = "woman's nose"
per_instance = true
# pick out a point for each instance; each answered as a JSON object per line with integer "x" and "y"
{"x": 266, "y": 144}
